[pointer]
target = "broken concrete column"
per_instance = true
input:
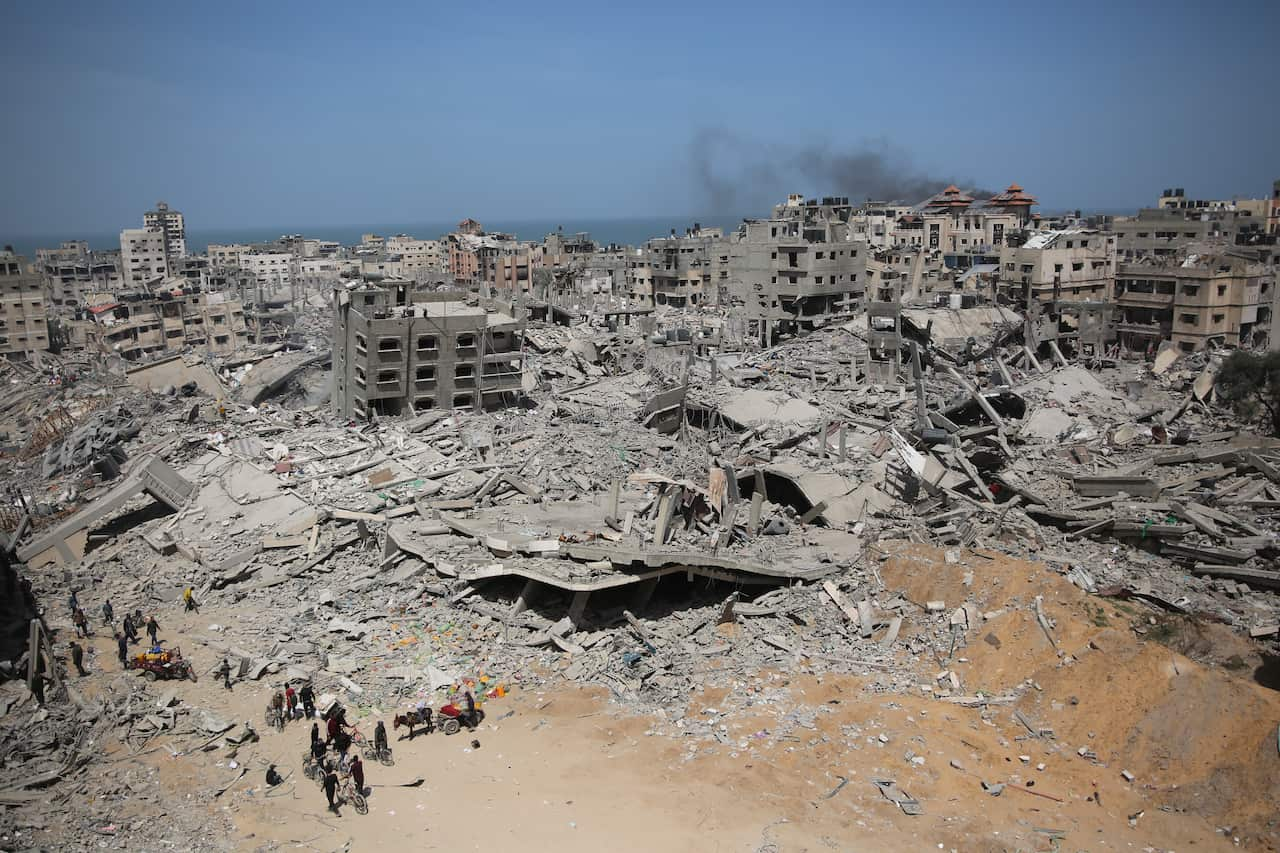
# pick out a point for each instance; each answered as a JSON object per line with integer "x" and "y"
{"x": 525, "y": 598}
{"x": 977, "y": 397}
{"x": 1032, "y": 362}
{"x": 578, "y": 607}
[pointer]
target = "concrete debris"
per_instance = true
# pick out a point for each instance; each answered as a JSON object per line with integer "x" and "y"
{"x": 653, "y": 527}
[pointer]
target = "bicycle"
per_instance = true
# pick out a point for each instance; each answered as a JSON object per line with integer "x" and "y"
{"x": 351, "y": 795}
{"x": 370, "y": 748}
{"x": 382, "y": 756}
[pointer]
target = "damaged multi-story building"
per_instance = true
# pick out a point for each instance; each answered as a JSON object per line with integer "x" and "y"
{"x": 174, "y": 316}
{"x": 1200, "y": 300}
{"x": 73, "y": 270}
{"x": 1072, "y": 264}
{"x": 1176, "y": 222}
{"x": 964, "y": 233}
{"x": 150, "y": 252}
{"x": 399, "y": 348}
{"x": 675, "y": 271}
{"x": 24, "y": 321}
{"x": 420, "y": 260}
{"x": 798, "y": 269}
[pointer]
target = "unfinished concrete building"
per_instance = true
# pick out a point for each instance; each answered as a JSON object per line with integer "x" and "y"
{"x": 24, "y": 324}
{"x": 1215, "y": 299}
{"x": 398, "y": 350}
{"x": 791, "y": 274}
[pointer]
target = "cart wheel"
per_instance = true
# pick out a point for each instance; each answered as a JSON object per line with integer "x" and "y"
{"x": 386, "y": 758}
{"x": 362, "y": 805}
{"x": 149, "y": 675}
{"x": 450, "y": 726}
{"x": 309, "y": 770}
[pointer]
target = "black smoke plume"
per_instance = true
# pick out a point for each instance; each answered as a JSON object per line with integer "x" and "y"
{"x": 736, "y": 174}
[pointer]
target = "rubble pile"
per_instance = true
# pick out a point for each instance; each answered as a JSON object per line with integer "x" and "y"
{"x": 654, "y": 522}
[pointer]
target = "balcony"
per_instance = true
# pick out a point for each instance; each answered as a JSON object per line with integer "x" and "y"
{"x": 1137, "y": 299}
{"x": 1155, "y": 330}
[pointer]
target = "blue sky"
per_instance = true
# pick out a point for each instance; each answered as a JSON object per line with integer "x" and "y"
{"x": 321, "y": 113}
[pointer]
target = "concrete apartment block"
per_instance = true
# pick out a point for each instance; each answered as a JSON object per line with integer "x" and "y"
{"x": 678, "y": 271}
{"x": 24, "y": 326}
{"x": 784, "y": 280}
{"x": 142, "y": 256}
{"x": 138, "y": 324}
{"x": 398, "y": 350}
{"x": 1224, "y": 299}
{"x": 1074, "y": 264}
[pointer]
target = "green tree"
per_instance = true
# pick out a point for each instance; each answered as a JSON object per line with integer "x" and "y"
{"x": 1250, "y": 384}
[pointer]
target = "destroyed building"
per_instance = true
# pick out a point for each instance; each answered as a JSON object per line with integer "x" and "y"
{"x": 398, "y": 349}
{"x": 676, "y": 270}
{"x": 72, "y": 271}
{"x": 796, "y": 272}
{"x": 24, "y": 322}
{"x": 136, "y": 324}
{"x": 1217, "y": 299}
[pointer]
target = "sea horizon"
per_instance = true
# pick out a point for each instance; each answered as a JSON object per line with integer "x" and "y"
{"x": 625, "y": 231}
{"x": 622, "y": 231}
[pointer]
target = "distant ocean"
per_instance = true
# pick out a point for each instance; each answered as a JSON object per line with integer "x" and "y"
{"x": 624, "y": 232}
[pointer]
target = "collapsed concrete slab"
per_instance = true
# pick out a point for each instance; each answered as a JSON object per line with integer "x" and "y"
{"x": 65, "y": 543}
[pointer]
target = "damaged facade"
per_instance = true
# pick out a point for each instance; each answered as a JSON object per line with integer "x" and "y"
{"x": 400, "y": 350}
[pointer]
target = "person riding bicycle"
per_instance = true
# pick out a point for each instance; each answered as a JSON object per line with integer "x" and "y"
{"x": 341, "y": 742}
{"x": 380, "y": 738}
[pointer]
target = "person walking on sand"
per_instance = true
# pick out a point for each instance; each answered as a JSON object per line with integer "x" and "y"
{"x": 225, "y": 672}
{"x": 357, "y": 773}
{"x": 153, "y": 628}
{"x": 189, "y": 600}
{"x": 81, "y": 622}
{"x": 308, "y": 697}
{"x": 122, "y": 648}
{"x": 331, "y": 787}
{"x": 108, "y": 613}
{"x": 77, "y": 658}
{"x": 74, "y": 602}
